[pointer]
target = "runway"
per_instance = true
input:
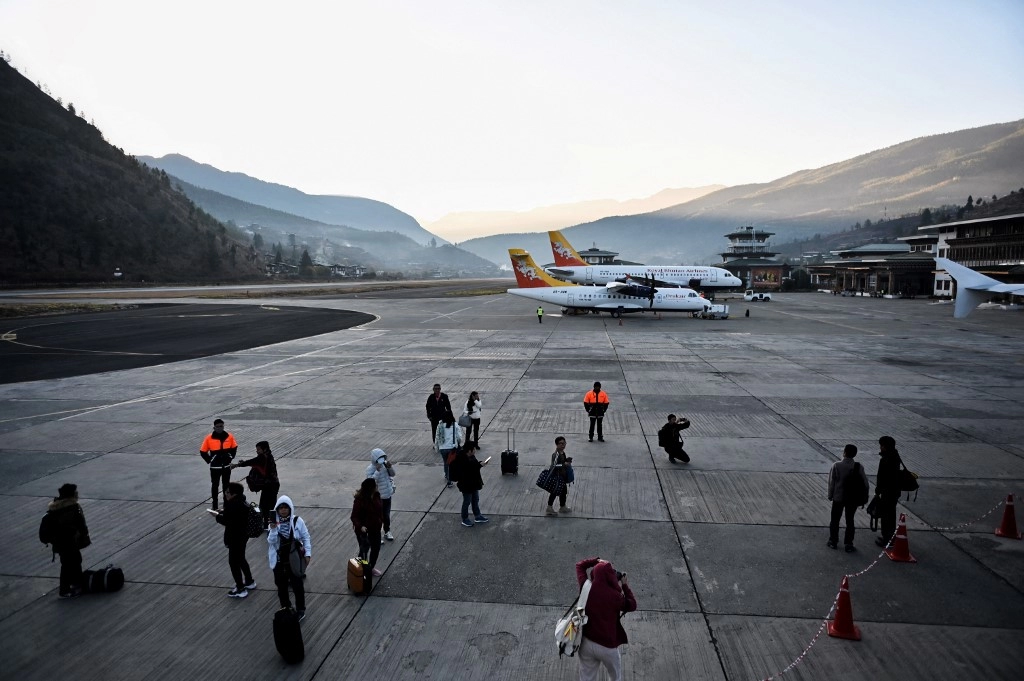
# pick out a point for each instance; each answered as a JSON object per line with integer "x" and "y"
{"x": 726, "y": 555}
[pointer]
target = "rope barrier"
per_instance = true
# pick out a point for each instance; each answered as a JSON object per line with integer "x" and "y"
{"x": 824, "y": 622}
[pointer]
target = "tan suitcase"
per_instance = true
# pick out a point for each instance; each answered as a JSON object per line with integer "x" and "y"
{"x": 360, "y": 577}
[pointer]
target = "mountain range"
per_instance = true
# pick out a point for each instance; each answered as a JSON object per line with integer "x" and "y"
{"x": 928, "y": 172}
{"x": 462, "y": 225}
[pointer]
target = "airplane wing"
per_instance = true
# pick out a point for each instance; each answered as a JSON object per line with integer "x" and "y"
{"x": 972, "y": 286}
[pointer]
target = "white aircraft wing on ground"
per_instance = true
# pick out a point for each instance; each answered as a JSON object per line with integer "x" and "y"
{"x": 973, "y": 288}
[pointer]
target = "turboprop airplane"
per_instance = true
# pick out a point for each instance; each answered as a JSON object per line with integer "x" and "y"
{"x": 569, "y": 266}
{"x": 972, "y": 288}
{"x": 615, "y": 297}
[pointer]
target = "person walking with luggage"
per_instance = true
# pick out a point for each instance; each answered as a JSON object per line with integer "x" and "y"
{"x": 559, "y": 465}
{"x": 262, "y": 478}
{"x": 367, "y": 516}
{"x": 887, "y": 488}
{"x": 235, "y": 519}
{"x": 670, "y": 438}
{"x": 382, "y": 472}
{"x": 596, "y": 404}
{"x": 470, "y": 483}
{"x": 218, "y": 449}
{"x": 540, "y": 314}
{"x": 437, "y": 406}
{"x": 64, "y": 529}
{"x": 447, "y": 441}
{"x": 473, "y": 410}
{"x": 610, "y": 598}
{"x": 847, "y": 489}
{"x": 290, "y": 550}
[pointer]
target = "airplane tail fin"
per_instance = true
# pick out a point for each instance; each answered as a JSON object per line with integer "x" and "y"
{"x": 972, "y": 288}
{"x": 528, "y": 273}
{"x": 565, "y": 254}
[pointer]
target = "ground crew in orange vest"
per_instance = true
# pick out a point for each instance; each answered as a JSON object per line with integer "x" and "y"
{"x": 596, "y": 403}
{"x": 218, "y": 450}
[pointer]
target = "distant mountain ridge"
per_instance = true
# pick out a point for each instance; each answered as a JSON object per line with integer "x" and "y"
{"x": 349, "y": 211}
{"x": 472, "y": 224}
{"x": 905, "y": 178}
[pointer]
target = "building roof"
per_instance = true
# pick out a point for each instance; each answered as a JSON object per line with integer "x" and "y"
{"x": 1012, "y": 216}
{"x": 749, "y": 232}
{"x": 872, "y": 249}
{"x": 752, "y": 262}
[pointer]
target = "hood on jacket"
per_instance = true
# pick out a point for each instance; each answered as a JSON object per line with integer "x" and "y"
{"x": 58, "y": 504}
{"x": 376, "y": 455}
{"x": 604, "y": 575}
{"x": 287, "y": 501}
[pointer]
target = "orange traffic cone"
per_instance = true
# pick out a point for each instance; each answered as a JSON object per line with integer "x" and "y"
{"x": 899, "y": 549}
{"x": 842, "y": 625}
{"x": 1009, "y": 526}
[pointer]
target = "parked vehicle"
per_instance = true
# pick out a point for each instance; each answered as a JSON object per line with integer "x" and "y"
{"x": 715, "y": 312}
{"x": 753, "y": 296}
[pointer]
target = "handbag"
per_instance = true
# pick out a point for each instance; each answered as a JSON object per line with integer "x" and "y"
{"x": 908, "y": 481}
{"x": 569, "y": 629}
{"x": 872, "y": 511}
{"x": 256, "y": 479}
{"x": 82, "y": 540}
{"x": 570, "y": 475}
{"x": 549, "y": 482}
{"x": 465, "y": 420}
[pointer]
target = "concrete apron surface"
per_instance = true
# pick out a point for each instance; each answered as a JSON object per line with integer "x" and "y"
{"x": 726, "y": 554}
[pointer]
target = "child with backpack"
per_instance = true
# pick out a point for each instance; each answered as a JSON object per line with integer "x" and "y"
{"x": 235, "y": 519}
{"x": 64, "y": 529}
{"x": 847, "y": 489}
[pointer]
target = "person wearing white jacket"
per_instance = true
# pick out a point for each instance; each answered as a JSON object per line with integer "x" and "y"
{"x": 447, "y": 441}
{"x": 474, "y": 410}
{"x": 381, "y": 470}
{"x": 289, "y": 550}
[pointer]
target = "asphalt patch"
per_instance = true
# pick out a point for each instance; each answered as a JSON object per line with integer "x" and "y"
{"x": 40, "y": 348}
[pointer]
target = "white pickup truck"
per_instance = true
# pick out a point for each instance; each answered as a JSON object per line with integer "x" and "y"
{"x": 752, "y": 296}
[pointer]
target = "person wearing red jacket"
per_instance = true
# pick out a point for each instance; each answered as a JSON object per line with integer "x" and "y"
{"x": 367, "y": 515}
{"x": 610, "y": 598}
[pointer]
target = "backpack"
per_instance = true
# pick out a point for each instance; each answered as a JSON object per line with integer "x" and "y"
{"x": 855, "y": 492}
{"x": 664, "y": 437}
{"x": 569, "y": 629}
{"x": 254, "y": 522}
{"x": 48, "y": 528}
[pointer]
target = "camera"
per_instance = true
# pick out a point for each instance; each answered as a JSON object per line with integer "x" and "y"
{"x": 619, "y": 575}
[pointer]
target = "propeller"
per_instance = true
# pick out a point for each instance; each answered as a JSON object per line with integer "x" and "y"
{"x": 650, "y": 285}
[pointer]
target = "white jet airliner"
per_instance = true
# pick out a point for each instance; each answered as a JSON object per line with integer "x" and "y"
{"x": 569, "y": 266}
{"x": 614, "y": 297}
{"x": 973, "y": 288}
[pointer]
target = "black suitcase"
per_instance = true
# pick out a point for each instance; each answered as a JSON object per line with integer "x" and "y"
{"x": 510, "y": 457}
{"x": 288, "y": 636}
{"x": 104, "y": 580}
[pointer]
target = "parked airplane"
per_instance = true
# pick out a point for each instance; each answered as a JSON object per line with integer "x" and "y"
{"x": 973, "y": 288}
{"x": 615, "y": 297}
{"x": 569, "y": 266}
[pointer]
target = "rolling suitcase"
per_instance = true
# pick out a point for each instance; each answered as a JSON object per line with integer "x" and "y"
{"x": 510, "y": 457}
{"x": 288, "y": 636}
{"x": 360, "y": 577}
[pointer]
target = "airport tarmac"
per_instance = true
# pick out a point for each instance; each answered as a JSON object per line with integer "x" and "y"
{"x": 726, "y": 555}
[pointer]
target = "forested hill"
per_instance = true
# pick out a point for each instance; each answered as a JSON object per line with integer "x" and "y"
{"x": 73, "y": 207}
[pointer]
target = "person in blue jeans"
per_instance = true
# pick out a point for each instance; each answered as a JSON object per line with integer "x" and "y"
{"x": 467, "y": 473}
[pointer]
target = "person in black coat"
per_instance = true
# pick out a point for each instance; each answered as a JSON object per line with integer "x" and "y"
{"x": 437, "y": 406}
{"x": 64, "y": 528}
{"x": 265, "y": 469}
{"x": 470, "y": 483}
{"x": 235, "y": 519}
{"x": 887, "y": 487}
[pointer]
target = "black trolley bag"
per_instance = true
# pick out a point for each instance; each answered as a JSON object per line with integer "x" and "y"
{"x": 510, "y": 457}
{"x": 288, "y": 636}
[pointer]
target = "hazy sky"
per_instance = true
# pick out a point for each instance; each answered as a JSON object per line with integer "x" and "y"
{"x": 437, "y": 106}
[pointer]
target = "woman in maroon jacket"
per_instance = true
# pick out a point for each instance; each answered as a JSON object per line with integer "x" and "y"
{"x": 367, "y": 517}
{"x": 610, "y": 597}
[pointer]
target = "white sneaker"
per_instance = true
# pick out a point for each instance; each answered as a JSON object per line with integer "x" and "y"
{"x": 389, "y": 536}
{"x": 251, "y": 585}
{"x": 235, "y": 593}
